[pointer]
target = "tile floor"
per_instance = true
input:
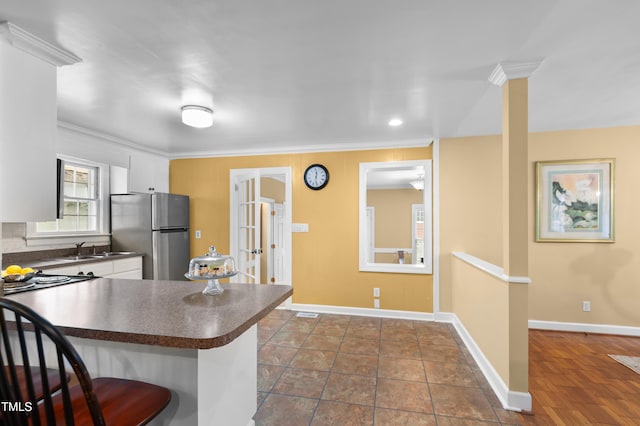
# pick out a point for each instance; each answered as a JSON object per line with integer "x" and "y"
{"x": 350, "y": 370}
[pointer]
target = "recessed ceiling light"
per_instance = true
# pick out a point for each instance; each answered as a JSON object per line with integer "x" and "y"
{"x": 197, "y": 116}
{"x": 395, "y": 122}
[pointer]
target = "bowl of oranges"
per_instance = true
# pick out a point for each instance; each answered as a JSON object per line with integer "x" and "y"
{"x": 16, "y": 273}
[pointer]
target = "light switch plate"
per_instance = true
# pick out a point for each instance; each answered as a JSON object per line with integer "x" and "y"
{"x": 299, "y": 227}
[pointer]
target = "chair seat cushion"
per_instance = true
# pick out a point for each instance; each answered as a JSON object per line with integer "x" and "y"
{"x": 123, "y": 402}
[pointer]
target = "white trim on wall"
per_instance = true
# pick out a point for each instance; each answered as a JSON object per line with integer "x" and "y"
{"x": 435, "y": 155}
{"x": 367, "y": 312}
{"x": 510, "y": 400}
{"x": 490, "y": 268}
{"x": 578, "y": 327}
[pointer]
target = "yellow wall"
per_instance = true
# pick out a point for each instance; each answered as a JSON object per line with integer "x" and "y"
{"x": 607, "y": 274}
{"x": 562, "y": 274}
{"x": 393, "y": 220}
{"x": 325, "y": 260}
{"x": 470, "y": 204}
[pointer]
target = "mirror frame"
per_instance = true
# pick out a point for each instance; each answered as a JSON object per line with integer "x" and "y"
{"x": 423, "y": 268}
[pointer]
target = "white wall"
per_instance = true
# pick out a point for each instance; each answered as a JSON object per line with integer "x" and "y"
{"x": 73, "y": 141}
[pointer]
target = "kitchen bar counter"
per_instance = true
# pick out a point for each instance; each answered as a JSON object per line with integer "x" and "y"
{"x": 203, "y": 348}
{"x": 165, "y": 313}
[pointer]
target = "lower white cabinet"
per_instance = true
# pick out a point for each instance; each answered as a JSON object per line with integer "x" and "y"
{"x": 130, "y": 267}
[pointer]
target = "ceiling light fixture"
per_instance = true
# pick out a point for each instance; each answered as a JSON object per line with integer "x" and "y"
{"x": 197, "y": 116}
{"x": 395, "y": 122}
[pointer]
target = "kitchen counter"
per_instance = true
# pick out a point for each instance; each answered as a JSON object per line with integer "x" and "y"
{"x": 61, "y": 261}
{"x": 203, "y": 348}
{"x": 165, "y": 313}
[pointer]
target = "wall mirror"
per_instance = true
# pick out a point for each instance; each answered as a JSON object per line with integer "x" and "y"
{"x": 395, "y": 217}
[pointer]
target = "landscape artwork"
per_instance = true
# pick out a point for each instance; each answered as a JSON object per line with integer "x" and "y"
{"x": 575, "y": 201}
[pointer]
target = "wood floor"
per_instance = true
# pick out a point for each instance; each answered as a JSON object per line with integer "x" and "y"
{"x": 574, "y": 382}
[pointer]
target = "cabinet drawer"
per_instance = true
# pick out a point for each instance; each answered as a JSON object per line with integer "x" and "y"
{"x": 128, "y": 264}
{"x": 99, "y": 269}
{"x": 64, "y": 270}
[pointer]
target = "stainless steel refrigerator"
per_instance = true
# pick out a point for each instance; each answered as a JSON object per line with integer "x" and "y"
{"x": 156, "y": 225}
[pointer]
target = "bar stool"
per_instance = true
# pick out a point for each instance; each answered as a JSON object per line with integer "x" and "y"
{"x": 100, "y": 401}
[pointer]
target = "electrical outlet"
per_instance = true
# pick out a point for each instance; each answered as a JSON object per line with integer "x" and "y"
{"x": 198, "y": 234}
{"x": 586, "y": 306}
{"x": 376, "y": 292}
{"x": 376, "y": 303}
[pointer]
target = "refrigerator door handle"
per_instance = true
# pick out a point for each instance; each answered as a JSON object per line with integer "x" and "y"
{"x": 167, "y": 230}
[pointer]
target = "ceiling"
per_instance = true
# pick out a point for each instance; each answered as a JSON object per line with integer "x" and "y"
{"x": 304, "y": 75}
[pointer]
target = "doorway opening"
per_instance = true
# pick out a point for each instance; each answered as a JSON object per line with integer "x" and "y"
{"x": 260, "y": 224}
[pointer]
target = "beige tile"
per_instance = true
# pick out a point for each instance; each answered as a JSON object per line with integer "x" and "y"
{"x": 276, "y": 355}
{"x": 363, "y": 332}
{"x": 398, "y": 334}
{"x": 459, "y": 401}
{"x": 330, "y": 329}
{"x": 313, "y": 359}
{"x": 282, "y": 314}
{"x": 400, "y": 349}
{"x": 355, "y": 345}
{"x": 304, "y": 383}
{"x": 401, "y": 369}
{"x": 387, "y": 417}
{"x": 288, "y": 338}
{"x": 448, "y": 373}
{"x": 365, "y": 322}
{"x": 267, "y": 376}
{"x": 297, "y": 325}
{"x": 321, "y": 342}
{"x": 332, "y": 413}
{"x": 442, "y": 353}
{"x": 363, "y": 365}
{"x": 403, "y": 395}
{"x": 351, "y": 389}
{"x": 457, "y": 421}
{"x": 282, "y": 410}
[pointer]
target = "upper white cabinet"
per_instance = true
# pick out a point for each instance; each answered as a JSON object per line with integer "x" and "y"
{"x": 28, "y": 117}
{"x": 148, "y": 173}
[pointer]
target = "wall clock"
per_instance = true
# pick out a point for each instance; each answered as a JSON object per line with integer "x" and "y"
{"x": 316, "y": 176}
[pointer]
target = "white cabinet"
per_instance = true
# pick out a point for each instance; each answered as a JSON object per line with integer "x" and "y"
{"x": 28, "y": 116}
{"x": 148, "y": 173}
{"x": 130, "y": 267}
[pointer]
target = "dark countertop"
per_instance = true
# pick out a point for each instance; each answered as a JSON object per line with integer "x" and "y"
{"x": 164, "y": 313}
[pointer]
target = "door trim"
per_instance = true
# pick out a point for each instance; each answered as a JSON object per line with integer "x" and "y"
{"x": 283, "y": 173}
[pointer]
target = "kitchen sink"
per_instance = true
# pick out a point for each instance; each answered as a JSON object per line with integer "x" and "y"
{"x": 112, "y": 253}
{"x": 92, "y": 256}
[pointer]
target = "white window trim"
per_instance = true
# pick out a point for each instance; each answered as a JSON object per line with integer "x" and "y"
{"x": 101, "y": 236}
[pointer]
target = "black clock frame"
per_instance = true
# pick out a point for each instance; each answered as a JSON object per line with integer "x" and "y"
{"x": 304, "y": 177}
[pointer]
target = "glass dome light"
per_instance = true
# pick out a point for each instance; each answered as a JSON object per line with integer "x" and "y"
{"x": 197, "y": 116}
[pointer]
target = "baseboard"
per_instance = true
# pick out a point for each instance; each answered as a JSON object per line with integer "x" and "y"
{"x": 510, "y": 400}
{"x": 366, "y": 312}
{"x": 579, "y": 327}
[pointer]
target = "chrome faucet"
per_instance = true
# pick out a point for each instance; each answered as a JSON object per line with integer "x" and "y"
{"x": 78, "y": 245}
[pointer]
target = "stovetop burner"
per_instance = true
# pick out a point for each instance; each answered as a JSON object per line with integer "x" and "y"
{"x": 40, "y": 281}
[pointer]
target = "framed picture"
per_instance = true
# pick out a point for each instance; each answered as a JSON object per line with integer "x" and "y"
{"x": 574, "y": 200}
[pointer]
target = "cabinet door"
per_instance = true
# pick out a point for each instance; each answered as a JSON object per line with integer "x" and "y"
{"x": 28, "y": 117}
{"x": 148, "y": 173}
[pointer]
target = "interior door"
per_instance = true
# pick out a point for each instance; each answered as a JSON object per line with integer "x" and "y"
{"x": 279, "y": 244}
{"x": 247, "y": 199}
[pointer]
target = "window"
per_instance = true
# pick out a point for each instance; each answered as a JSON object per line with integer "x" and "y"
{"x": 83, "y": 207}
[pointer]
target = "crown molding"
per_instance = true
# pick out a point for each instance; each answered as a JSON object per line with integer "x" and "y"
{"x": 27, "y": 42}
{"x": 511, "y": 70}
{"x": 303, "y": 149}
{"x": 105, "y": 137}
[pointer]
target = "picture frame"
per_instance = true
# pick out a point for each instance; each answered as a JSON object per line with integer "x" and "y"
{"x": 575, "y": 201}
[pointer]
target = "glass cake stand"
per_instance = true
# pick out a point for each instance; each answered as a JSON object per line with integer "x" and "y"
{"x": 213, "y": 285}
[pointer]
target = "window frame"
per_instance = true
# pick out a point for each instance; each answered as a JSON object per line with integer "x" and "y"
{"x": 101, "y": 234}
